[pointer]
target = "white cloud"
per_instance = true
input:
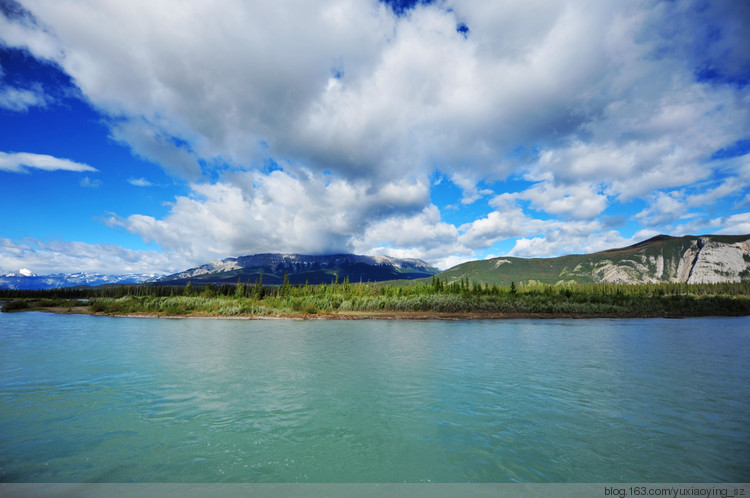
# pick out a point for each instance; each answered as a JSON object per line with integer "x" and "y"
{"x": 305, "y": 213}
{"x": 15, "y": 99}
{"x": 639, "y": 146}
{"x": 423, "y": 235}
{"x": 87, "y": 182}
{"x": 596, "y": 102}
{"x": 45, "y": 257}
{"x": 468, "y": 186}
{"x": 581, "y": 201}
{"x": 599, "y": 86}
{"x": 555, "y": 236}
{"x": 727, "y": 187}
{"x": 21, "y": 162}
{"x": 222, "y": 78}
{"x": 150, "y": 143}
{"x": 561, "y": 242}
{"x": 677, "y": 209}
{"x": 497, "y": 226}
{"x": 665, "y": 208}
{"x": 140, "y": 182}
{"x": 734, "y": 224}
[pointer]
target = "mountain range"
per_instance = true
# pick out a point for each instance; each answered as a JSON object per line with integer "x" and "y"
{"x": 688, "y": 259}
{"x": 301, "y": 268}
{"x": 24, "y": 279}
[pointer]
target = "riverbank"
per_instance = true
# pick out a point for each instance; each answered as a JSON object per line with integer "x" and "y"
{"x": 363, "y": 315}
{"x": 419, "y": 302}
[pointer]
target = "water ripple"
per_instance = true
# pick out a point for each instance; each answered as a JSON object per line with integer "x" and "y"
{"x": 155, "y": 400}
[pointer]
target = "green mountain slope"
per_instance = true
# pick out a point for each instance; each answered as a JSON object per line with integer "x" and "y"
{"x": 690, "y": 259}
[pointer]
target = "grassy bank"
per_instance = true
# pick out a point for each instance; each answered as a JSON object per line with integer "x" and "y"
{"x": 588, "y": 300}
{"x": 610, "y": 300}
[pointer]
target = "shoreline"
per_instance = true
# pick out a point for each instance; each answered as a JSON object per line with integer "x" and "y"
{"x": 372, "y": 315}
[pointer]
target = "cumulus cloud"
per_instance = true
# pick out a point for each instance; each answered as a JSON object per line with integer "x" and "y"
{"x": 422, "y": 235}
{"x": 21, "y": 162}
{"x": 595, "y": 103}
{"x": 581, "y": 201}
{"x": 513, "y": 223}
{"x": 349, "y": 87}
{"x": 304, "y": 213}
{"x": 222, "y": 79}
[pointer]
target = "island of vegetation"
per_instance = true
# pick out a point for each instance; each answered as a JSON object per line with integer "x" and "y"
{"x": 425, "y": 298}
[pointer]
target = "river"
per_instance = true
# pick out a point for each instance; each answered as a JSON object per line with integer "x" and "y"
{"x": 98, "y": 399}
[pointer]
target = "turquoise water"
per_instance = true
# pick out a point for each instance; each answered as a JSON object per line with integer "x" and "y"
{"x": 95, "y": 399}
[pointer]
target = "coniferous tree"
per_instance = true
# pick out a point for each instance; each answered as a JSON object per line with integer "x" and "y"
{"x": 285, "y": 285}
{"x": 259, "y": 288}
{"x": 239, "y": 290}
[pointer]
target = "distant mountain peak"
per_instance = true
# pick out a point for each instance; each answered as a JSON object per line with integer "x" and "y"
{"x": 302, "y": 268}
{"x": 23, "y": 272}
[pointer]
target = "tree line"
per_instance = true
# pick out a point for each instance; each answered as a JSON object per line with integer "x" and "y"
{"x": 432, "y": 295}
{"x": 435, "y": 285}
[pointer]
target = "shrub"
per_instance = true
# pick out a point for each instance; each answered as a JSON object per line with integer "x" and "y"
{"x": 14, "y": 305}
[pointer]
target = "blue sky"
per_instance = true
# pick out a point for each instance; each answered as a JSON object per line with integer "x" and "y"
{"x": 155, "y": 136}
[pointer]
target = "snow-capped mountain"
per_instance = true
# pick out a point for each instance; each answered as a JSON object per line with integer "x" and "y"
{"x": 23, "y": 272}
{"x": 25, "y": 279}
{"x": 303, "y": 268}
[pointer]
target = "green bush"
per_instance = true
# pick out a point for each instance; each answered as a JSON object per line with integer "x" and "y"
{"x": 14, "y": 305}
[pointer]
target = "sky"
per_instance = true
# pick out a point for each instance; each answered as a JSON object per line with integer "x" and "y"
{"x": 147, "y": 136}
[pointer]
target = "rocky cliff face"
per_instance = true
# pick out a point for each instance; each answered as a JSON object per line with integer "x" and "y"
{"x": 718, "y": 262}
{"x": 688, "y": 259}
{"x": 692, "y": 260}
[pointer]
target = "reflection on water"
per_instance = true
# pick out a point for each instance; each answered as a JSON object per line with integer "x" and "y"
{"x": 119, "y": 400}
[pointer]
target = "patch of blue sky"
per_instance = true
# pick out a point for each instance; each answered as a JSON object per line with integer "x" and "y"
{"x": 270, "y": 165}
{"x": 463, "y": 30}
{"x": 443, "y": 191}
{"x": 63, "y": 204}
{"x": 446, "y": 195}
{"x": 57, "y": 205}
{"x": 712, "y": 75}
{"x": 737, "y": 149}
{"x": 620, "y": 217}
{"x": 337, "y": 69}
{"x": 401, "y": 7}
{"x": 72, "y": 130}
{"x": 499, "y": 248}
{"x": 20, "y": 69}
